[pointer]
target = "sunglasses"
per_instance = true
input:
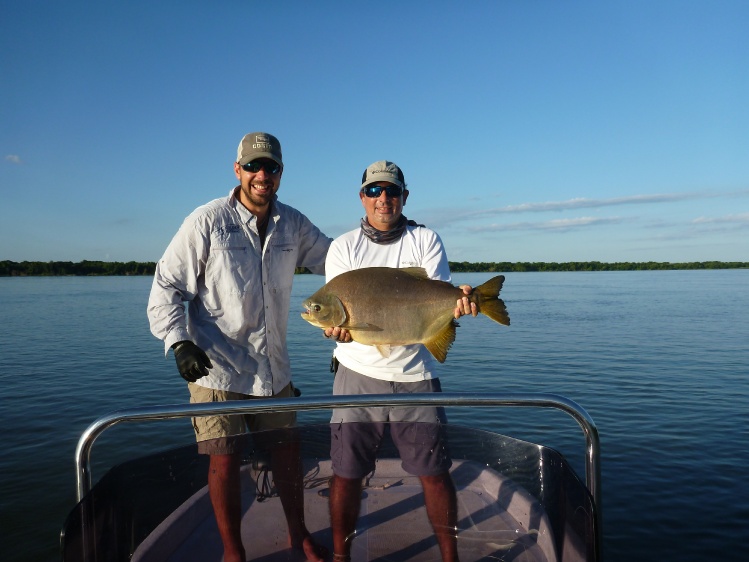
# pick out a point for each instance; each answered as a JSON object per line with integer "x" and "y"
{"x": 270, "y": 166}
{"x": 376, "y": 190}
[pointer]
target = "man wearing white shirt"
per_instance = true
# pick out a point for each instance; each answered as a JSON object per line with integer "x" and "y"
{"x": 386, "y": 238}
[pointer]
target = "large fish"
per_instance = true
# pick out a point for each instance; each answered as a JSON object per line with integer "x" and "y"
{"x": 384, "y": 306}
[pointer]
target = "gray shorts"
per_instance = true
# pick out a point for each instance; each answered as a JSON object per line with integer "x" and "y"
{"x": 357, "y": 433}
{"x": 222, "y": 435}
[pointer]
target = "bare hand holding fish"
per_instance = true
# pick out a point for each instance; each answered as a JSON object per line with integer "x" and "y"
{"x": 384, "y": 306}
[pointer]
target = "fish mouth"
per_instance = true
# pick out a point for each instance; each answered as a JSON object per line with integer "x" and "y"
{"x": 309, "y": 317}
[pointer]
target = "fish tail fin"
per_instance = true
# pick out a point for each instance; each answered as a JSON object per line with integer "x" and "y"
{"x": 488, "y": 302}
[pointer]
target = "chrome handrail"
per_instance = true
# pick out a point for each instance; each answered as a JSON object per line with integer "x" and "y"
{"x": 538, "y": 400}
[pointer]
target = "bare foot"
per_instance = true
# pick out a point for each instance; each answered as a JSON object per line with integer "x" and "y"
{"x": 313, "y": 551}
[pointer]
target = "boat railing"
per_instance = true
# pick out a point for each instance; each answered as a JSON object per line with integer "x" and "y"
{"x": 534, "y": 400}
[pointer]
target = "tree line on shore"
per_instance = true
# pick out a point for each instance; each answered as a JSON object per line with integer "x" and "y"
{"x": 103, "y": 268}
{"x": 491, "y": 267}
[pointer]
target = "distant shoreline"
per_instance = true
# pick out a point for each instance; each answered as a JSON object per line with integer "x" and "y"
{"x": 107, "y": 268}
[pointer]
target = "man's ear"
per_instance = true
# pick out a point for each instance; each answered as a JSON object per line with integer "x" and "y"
{"x": 405, "y": 196}
{"x": 237, "y": 170}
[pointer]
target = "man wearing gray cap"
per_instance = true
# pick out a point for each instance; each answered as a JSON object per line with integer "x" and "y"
{"x": 233, "y": 261}
{"x": 386, "y": 238}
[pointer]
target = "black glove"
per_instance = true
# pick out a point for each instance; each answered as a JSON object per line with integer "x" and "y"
{"x": 192, "y": 361}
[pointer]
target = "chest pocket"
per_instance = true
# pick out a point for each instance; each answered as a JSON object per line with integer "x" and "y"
{"x": 230, "y": 263}
{"x": 282, "y": 253}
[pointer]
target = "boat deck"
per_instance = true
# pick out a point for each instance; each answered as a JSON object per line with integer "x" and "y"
{"x": 497, "y": 520}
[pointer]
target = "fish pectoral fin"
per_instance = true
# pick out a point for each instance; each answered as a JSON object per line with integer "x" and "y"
{"x": 441, "y": 342}
{"x": 384, "y": 350}
{"x": 364, "y": 327}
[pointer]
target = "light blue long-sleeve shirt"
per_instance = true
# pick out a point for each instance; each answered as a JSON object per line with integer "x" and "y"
{"x": 238, "y": 292}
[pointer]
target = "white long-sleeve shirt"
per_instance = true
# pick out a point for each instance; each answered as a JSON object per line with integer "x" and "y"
{"x": 418, "y": 247}
{"x": 237, "y": 291}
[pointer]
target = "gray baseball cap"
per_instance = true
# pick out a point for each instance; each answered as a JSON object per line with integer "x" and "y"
{"x": 383, "y": 170}
{"x": 258, "y": 145}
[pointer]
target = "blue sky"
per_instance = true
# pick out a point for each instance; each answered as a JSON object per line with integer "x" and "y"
{"x": 526, "y": 130}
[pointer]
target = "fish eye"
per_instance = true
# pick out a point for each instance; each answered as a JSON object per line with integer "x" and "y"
{"x": 317, "y": 308}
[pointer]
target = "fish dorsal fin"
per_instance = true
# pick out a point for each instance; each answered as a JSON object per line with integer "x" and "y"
{"x": 418, "y": 272}
{"x": 441, "y": 342}
{"x": 384, "y": 350}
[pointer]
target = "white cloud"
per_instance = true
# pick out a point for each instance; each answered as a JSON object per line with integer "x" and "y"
{"x": 13, "y": 158}
{"x": 449, "y": 217}
{"x": 742, "y": 218}
{"x": 585, "y": 203}
{"x": 556, "y": 224}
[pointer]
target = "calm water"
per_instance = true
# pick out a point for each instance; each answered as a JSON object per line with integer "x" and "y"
{"x": 660, "y": 360}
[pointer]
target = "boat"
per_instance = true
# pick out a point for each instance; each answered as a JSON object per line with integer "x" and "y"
{"x": 517, "y": 500}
